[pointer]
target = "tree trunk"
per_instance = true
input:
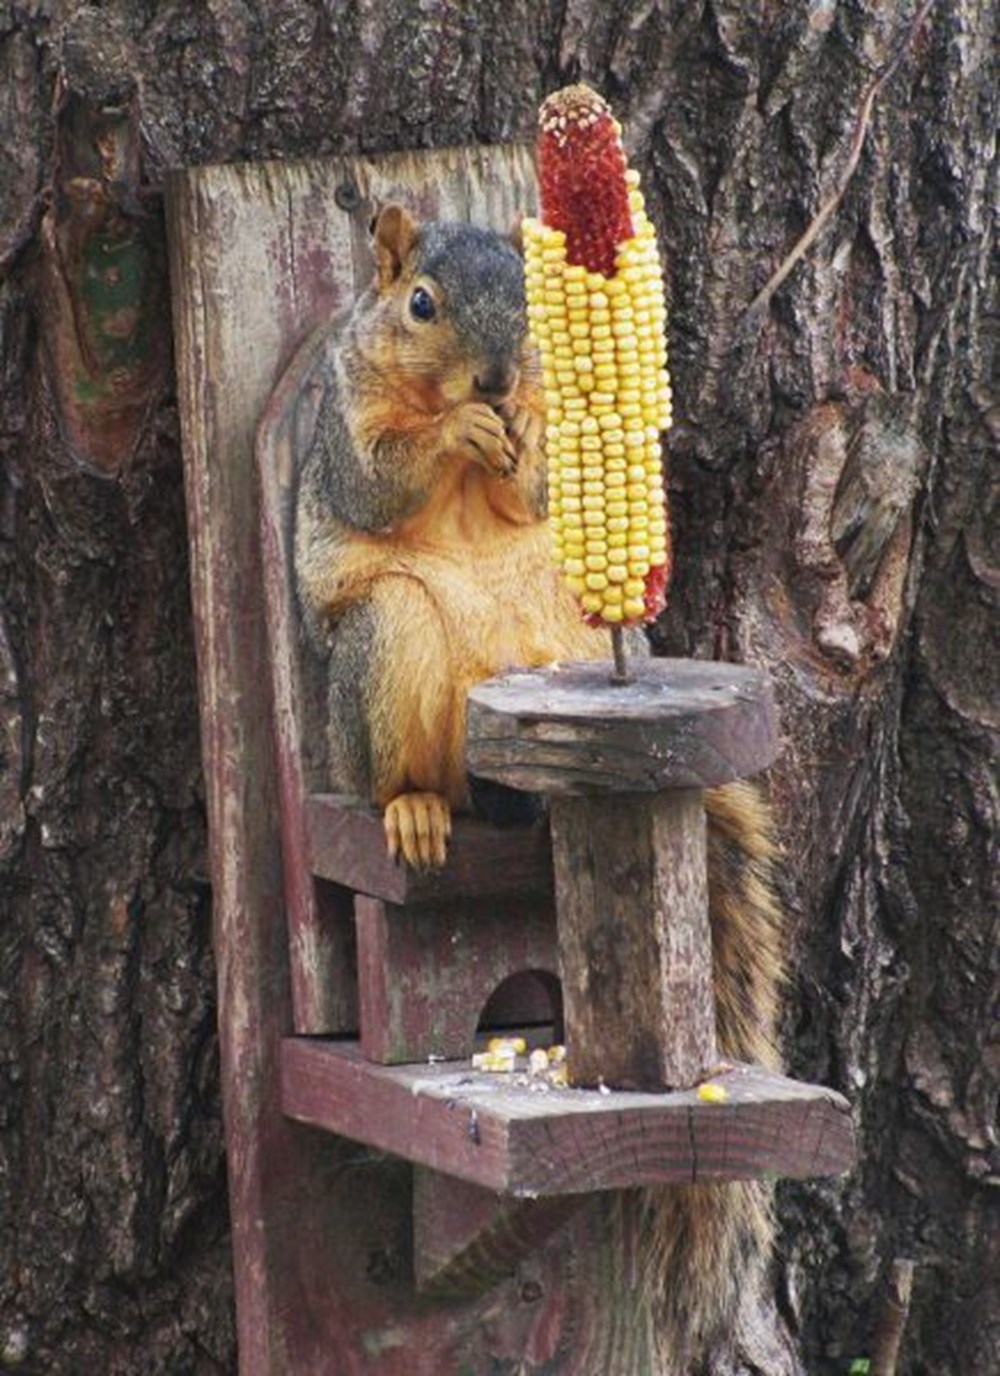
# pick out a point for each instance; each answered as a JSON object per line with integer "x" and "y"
{"x": 830, "y": 487}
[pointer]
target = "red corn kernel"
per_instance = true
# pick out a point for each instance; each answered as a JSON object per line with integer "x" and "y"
{"x": 655, "y": 595}
{"x": 581, "y": 165}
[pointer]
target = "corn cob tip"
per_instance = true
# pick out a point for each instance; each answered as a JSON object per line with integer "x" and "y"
{"x": 578, "y": 105}
{"x": 582, "y": 172}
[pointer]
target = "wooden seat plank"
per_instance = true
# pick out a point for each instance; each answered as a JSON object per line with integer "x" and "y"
{"x": 346, "y": 844}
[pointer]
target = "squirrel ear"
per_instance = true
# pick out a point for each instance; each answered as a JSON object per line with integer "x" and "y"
{"x": 393, "y": 236}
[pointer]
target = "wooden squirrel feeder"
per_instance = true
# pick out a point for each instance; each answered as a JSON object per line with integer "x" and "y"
{"x": 350, "y": 990}
{"x": 624, "y": 766}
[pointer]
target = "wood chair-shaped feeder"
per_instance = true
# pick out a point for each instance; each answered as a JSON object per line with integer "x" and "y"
{"x": 351, "y": 989}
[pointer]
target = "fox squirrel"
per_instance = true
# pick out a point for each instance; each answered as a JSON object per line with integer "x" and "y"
{"x": 423, "y": 566}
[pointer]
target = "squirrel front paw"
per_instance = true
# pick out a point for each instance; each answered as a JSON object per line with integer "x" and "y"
{"x": 417, "y": 827}
{"x": 524, "y": 429}
{"x": 475, "y": 432}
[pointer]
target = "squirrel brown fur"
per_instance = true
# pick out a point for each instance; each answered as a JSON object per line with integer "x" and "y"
{"x": 423, "y": 566}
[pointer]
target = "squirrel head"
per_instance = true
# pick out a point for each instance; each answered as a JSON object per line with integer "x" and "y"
{"x": 451, "y": 306}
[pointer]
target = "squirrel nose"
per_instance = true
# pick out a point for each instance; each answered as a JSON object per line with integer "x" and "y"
{"x": 496, "y": 381}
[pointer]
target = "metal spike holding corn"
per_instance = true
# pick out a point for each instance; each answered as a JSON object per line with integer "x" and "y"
{"x": 597, "y": 313}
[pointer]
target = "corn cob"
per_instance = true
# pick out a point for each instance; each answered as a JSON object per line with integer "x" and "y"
{"x": 596, "y": 311}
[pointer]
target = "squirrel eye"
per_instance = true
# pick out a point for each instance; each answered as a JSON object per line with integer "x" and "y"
{"x": 422, "y": 305}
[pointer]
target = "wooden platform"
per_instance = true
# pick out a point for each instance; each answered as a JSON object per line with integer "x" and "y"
{"x": 497, "y": 1132}
{"x": 677, "y": 723}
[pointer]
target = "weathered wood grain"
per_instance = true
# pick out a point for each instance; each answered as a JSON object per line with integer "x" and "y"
{"x": 426, "y": 972}
{"x": 505, "y": 1136}
{"x": 345, "y": 842}
{"x": 634, "y": 940}
{"x": 323, "y": 988}
{"x": 676, "y": 724}
{"x": 222, "y": 385}
{"x": 466, "y": 1239}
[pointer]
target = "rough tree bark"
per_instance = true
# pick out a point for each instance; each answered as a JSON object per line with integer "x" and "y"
{"x": 832, "y": 500}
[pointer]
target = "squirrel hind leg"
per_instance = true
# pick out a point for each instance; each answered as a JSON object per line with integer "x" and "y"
{"x": 503, "y": 806}
{"x": 417, "y": 828}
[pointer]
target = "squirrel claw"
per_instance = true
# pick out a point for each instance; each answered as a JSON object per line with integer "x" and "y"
{"x": 509, "y": 469}
{"x": 524, "y": 431}
{"x": 417, "y": 827}
{"x": 477, "y": 433}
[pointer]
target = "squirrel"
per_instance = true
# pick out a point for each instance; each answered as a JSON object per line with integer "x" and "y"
{"x": 423, "y": 566}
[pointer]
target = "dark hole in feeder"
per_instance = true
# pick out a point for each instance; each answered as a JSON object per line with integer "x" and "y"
{"x": 530, "y": 998}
